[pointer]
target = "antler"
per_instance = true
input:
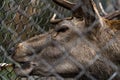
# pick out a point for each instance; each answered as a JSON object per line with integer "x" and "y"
{"x": 64, "y": 3}
{"x": 55, "y": 21}
{"x": 112, "y": 15}
{"x": 70, "y": 6}
{"x": 80, "y": 10}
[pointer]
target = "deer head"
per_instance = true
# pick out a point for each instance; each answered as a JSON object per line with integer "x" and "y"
{"x": 71, "y": 46}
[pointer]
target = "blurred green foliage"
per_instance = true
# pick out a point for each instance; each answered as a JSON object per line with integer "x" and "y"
{"x": 8, "y": 74}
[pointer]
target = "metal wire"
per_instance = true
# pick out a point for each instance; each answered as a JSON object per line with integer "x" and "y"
{"x": 23, "y": 19}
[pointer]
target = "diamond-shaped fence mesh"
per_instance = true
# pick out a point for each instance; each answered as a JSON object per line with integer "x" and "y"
{"x": 22, "y": 19}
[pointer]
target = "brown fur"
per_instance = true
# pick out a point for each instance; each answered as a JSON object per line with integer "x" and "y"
{"x": 71, "y": 48}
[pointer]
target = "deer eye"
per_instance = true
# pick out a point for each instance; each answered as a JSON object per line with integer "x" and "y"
{"x": 62, "y": 28}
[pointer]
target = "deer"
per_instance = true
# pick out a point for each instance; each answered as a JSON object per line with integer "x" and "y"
{"x": 85, "y": 46}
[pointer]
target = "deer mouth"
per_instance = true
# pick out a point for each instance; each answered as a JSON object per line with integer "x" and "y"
{"x": 24, "y": 69}
{"x": 29, "y": 68}
{"x": 24, "y": 65}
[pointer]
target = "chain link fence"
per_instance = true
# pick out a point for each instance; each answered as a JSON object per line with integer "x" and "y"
{"x": 23, "y": 19}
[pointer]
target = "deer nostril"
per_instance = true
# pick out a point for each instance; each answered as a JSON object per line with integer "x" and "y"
{"x": 11, "y": 51}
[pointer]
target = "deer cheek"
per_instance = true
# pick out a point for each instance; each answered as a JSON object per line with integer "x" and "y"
{"x": 50, "y": 52}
